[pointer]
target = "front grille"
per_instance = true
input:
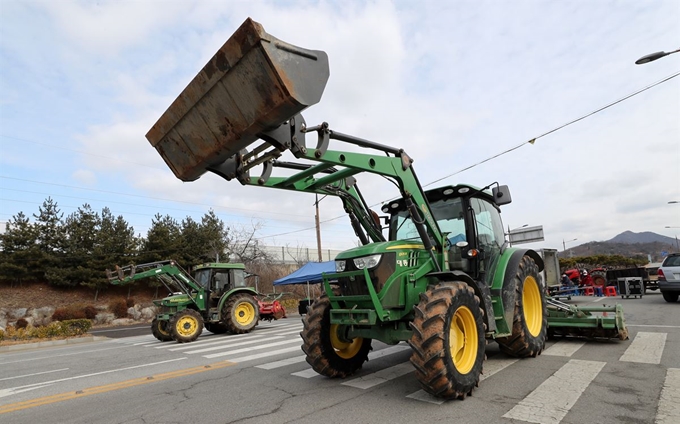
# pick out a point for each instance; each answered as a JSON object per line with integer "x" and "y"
{"x": 357, "y": 285}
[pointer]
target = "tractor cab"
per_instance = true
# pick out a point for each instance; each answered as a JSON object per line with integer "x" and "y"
{"x": 219, "y": 278}
{"x": 470, "y": 220}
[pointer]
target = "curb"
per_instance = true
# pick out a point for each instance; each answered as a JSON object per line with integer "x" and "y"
{"x": 48, "y": 343}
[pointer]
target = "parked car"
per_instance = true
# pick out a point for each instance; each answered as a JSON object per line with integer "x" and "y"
{"x": 669, "y": 277}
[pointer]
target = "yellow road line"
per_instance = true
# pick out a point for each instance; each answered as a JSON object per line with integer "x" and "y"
{"x": 46, "y": 400}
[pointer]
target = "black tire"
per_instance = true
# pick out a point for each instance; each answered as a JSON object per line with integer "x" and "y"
{"x": 216, "y": 328}
{"x": 326, "y": 352}
{"x": 530, "y": 322}
{"x": 240, "y": 313}
{"x": 670, "y": 297}
{"x": 159, "y": 329}
{"x": 186, "y": 326}
{"x": 448, "y": 366}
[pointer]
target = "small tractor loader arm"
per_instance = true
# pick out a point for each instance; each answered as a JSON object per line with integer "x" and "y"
{"x": 443, "y": 280}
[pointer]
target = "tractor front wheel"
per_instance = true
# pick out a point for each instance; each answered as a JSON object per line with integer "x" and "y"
{"x": 448, "y": 340}
{"x": 159, "y": 329}
{"x": 186, "y": 326}
{"x": 240, "y": 313}
{"x": 530, "y": 322}
{"x": 328, "y": 352}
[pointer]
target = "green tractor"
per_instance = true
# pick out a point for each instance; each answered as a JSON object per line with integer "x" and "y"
{"x": 216, "y": 297}
{"x": 439, "y": 275}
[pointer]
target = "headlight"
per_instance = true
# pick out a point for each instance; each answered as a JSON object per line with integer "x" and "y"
{"x": 340, "y": 266}
{"x": 367, "y": 261}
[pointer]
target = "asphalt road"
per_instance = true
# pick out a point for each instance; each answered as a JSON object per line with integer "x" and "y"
{"x": 262, "y": 377}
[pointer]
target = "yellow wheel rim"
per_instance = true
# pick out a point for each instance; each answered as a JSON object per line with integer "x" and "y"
{"x": 463, "y": 339}
{"x": 162, "y": 328}
{"x": 187, "y": 325}
{"x": 244, "y": 313}
{"x": 345, "y": 350}
{"x": 532, "y": 306}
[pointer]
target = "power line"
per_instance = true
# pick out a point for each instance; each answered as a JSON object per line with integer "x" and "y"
{"x": 533, "y": 140}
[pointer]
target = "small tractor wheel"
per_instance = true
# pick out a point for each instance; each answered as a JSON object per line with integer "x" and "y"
{"x": 448, "y": 340}
{"x": 327, "y": 351}
{"x": 530, "y": 321}
{"x": 159, "y": 329}
{"x": 186, "y": 326}
{"x": 216, "y": 328}
{"x": 670, "y": 297}
{"x": 599, "y": 278}
{"x": 240, "y": 313}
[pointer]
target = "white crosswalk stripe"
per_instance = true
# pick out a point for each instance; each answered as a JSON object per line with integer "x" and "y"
{"x": 646, "y": 348}
{"x": 553, "y": 399}
{"x": 669, "y": 402}
{"x": 564, "y": 348}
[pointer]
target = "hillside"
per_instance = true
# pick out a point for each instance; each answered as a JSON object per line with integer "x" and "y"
{"x": 628, "y": 244}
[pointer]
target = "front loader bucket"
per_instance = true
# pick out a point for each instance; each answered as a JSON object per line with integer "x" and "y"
{"x": 254, "y": 83}
{"x": 590, "y": 322}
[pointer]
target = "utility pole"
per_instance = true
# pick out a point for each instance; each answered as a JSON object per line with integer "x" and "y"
{"x": 318, "y": 229}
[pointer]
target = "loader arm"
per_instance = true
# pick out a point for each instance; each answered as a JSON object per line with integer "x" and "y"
{"x": 169, "y": 273}
{"x": 334, "y": 175}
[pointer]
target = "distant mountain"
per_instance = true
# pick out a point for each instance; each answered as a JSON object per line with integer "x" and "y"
{"x": 630, "y": 237}
{"x": 628, "y": 244}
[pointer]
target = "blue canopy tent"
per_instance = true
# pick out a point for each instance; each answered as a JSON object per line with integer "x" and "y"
{"x": 309, "y": 273}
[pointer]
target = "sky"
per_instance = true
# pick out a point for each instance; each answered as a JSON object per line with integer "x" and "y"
{"x": 451, "y": 82}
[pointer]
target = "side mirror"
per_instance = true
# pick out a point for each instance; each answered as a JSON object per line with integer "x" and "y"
{"x": 501, "y": 195}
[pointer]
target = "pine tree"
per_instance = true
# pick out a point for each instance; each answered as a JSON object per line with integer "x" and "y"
{"x": 19, "y": 250}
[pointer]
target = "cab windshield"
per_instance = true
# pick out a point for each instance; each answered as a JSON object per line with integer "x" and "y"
{"x": 447, "y": 212}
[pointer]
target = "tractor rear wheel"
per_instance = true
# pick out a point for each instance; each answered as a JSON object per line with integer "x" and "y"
{"x": 599, "y": 278}
{"x": 159, "y": 329}
{"x": 327, "y": 351}
{"x": 240, "y": 313}
{"x": 448, "y": 340}
{"x": 216, "y": 328}
{"x": 530, "y": 322}
{"x": 186, "y": 326}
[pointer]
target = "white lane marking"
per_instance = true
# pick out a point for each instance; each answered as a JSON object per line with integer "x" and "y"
{"x": 309, "y": 373}
{"x": 563, "y": 348}
{"x": 491, "y": 367}
{"x": 646, "y": 348}
{"x": 10, "y": 392}
{"x": 552, "y": 400}
{"x": 290, "y": 332}
{"x": 222, "y": 343}
{"x": 282, "y": 363}
{"x": 63, "y": 354}
{"x": 380, "y": 377}
{"x": 263, "y": 346}
{"x": 230, "y": 345}
{"x": 95, "y": 373}
{"x": 35, "y": 373}
{"x": 669, "y": 402}
{"x": 423, "y": 396}
{"x": 265, "y": 354}
{"x": 388, "y": 351}
{"x": 599, "y": 299}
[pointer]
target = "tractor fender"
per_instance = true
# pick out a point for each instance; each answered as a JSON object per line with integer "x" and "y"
{"x": 503, "y": 286}
{"x": 249, "y": 290}
{"x": 482, "y": 291}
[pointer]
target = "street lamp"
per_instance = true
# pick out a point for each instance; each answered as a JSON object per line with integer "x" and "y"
{"x": 654, "y": 56}
{"x": 564, "y": 244}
